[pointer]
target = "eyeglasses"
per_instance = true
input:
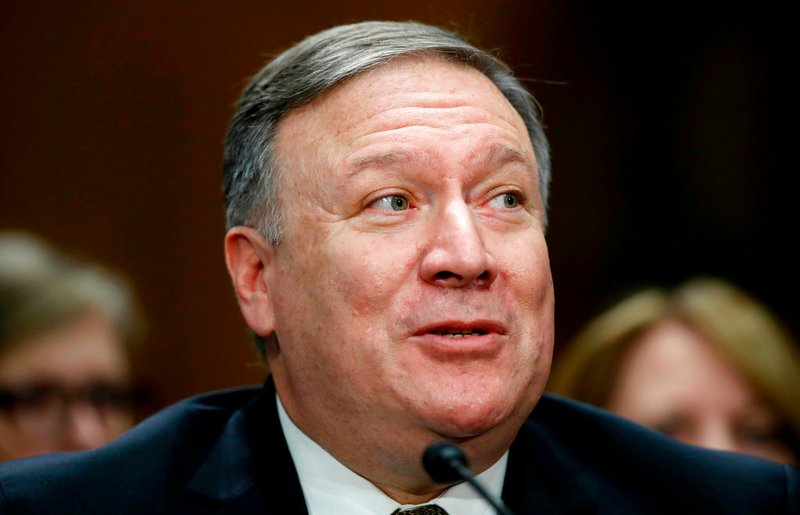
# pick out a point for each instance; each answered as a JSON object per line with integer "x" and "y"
{"x": 45, "y": 408}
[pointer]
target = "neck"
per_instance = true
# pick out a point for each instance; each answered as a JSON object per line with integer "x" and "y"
{"x": 388, "y": 456}
{"x": 400, "y": 476}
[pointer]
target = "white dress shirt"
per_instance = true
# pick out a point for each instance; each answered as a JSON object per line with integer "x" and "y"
{"x": 330, "y": 488}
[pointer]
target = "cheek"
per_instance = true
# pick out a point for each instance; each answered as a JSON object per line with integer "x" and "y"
{"x": 527, "y": 275}
{"x": 334, "y": 279}
{"x": 526, "y": 266}
{"x": 367, "y": 272}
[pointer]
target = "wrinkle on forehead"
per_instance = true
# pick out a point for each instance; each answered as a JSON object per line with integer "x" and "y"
{"x": 498, "y": 154}
{"x": 400, "y": 80}
{"x": 437, "y": 110}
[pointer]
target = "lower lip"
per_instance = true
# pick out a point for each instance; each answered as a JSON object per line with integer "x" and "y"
{"x": 472, "y": 346}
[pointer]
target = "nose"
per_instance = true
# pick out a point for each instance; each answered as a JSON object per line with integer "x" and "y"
{"x": 456, "y": 256}
{"x": 84, "y": 428}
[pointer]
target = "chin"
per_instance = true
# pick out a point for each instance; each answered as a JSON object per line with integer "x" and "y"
{"x": 470, "y": 405}
{"x": 461, "y": 419}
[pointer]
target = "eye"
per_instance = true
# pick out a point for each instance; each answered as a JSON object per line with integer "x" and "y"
{"x": 391, "y": 203}
{"x": 760, "y": 432}
{"x": 507, "y": 200}
{"x": 674, "y": 427}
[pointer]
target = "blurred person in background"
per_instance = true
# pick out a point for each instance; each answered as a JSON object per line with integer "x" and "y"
{"x": 704, "y": 363}
{"x": 66, "y": 327}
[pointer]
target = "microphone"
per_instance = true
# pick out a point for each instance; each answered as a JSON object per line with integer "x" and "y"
{"x": 445, "y": 463}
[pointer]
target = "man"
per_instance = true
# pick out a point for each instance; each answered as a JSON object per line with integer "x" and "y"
{"x": 386, "y": 187}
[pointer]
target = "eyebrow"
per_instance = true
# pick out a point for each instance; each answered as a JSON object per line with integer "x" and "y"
{"x": 501, "y": 154}
{"x": 387, "y": 159}
{"x": 498, "y": 154}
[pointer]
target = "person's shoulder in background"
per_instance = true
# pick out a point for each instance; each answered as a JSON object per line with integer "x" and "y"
{"x": 133, "y": 474}
{"x": 634, "y": 469}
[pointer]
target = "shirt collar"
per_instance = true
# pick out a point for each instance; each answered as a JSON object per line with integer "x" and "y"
{"x": 330, "y": 487}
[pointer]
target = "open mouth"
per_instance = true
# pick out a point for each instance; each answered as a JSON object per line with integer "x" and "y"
{"x": 468, "y": 339}
{"x": 455, "y": 333}
{"x": 456, "y": 329}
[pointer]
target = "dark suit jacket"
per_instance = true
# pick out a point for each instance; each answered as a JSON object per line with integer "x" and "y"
{"x": 225, "y": 453}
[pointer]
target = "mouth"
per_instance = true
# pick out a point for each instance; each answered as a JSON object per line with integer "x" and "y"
{"x": 455, "y": 340}
{"x": 459, "y": 329}
{"x": 455, "y": 333}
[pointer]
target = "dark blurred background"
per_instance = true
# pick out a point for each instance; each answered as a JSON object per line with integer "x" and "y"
{"x": 672, "y": 130}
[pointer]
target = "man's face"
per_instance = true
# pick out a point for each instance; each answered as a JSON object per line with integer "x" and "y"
{"x": 412, "y": 290}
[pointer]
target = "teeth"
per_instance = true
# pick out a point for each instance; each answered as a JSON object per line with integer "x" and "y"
{"x": 459, "y": 334}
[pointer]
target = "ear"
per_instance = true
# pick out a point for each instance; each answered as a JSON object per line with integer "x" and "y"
{"x": 249, "y": 258}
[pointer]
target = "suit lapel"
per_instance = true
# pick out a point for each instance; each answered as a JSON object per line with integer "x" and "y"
{"x": 250, "y": 469}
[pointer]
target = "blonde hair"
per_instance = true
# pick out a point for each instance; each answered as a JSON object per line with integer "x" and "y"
{"x": 42, "y": 289}
{"x": 739, "y": 328}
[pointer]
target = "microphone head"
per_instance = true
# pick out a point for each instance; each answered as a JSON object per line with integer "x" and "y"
{"x": 442, "y": 461}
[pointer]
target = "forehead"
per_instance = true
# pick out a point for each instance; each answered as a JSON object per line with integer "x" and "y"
{"x": 410, "y": 91}
{"x": 85, "y": 348}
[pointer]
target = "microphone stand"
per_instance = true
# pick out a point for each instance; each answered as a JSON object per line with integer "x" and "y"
{"x": 445, "y": 462}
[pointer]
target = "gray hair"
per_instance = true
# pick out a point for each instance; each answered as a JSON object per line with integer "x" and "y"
{"x": 301, "y": 74}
